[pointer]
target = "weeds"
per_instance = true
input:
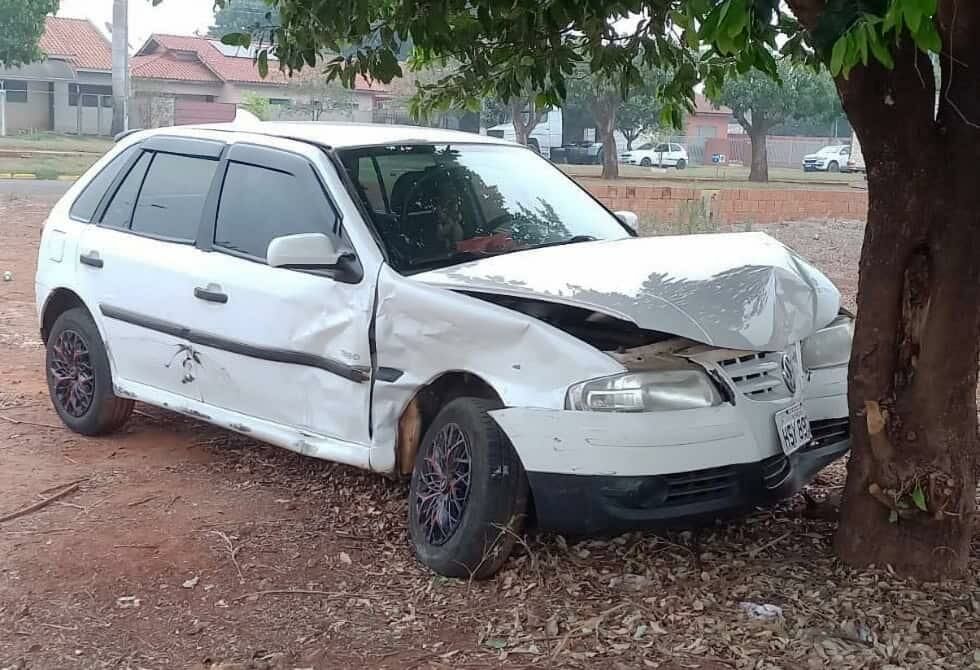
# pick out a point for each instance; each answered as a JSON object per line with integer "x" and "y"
{"x": 693, "y": 217}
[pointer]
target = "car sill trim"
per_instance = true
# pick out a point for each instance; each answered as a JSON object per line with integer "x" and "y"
{"x": 206, "y": 339}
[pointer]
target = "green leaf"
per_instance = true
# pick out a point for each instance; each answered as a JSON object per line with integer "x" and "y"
{"x": 837, "y": 55}
{"x": 913, "y": 14}
{"x": 237, "y": 39}
{"x": 861, "y": 40}
{"x": 919, "y": 498}
{"x": 927, "y": 38}
{"x": 736, "y": 19}
{"x": 263, "y": 61}
{"x": 879, "y": 50}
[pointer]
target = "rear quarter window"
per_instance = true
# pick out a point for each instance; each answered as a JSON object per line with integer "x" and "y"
{"x": 83, "y": 209}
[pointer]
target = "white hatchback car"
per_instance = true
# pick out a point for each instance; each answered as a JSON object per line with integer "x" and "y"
{"x": 446, "y": 307}
{"x": 665, "y": 154}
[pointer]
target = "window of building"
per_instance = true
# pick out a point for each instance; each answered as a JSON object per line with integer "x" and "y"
{"x": 259, "y": 204}
{"x": 16, "y": 89}
{"x": 280, "y": 101}
{"x": 91, "y": 94}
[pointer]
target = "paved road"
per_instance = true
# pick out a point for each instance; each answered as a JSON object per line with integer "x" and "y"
{"x": 33, "y": 187}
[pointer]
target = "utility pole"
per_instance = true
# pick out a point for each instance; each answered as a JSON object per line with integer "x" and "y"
{"x": 120, "y": 66}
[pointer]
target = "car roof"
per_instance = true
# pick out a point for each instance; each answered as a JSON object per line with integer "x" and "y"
{"x": 343, "y": 135}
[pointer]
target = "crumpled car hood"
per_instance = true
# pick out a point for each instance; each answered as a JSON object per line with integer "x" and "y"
{"x": 742, "y": 291}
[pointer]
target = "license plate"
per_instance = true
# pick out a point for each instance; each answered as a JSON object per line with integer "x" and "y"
{"x": 793, "y": 428}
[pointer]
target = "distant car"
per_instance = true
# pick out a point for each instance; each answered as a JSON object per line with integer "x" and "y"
{"x": 829, "y": 159}
{"x": 583, "y": 153}
{"x": 665, "y": 154}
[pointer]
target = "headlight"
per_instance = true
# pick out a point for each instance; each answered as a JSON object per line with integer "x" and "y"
{"x": 648, "y": 391}
{"x": 830, "y": 346}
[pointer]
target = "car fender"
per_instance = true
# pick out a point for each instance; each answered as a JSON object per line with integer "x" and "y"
{"x": 423, "y": 331}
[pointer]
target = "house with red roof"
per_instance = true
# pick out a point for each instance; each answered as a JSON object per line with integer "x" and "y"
{"x": 173, "y": 79}
{"x": 69, "y": 91}
{"x": 204, "y": 70}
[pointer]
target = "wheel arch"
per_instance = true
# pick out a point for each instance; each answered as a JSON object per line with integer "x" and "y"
{"x": 421, "y": 410}
{"x": 59, "y": 301}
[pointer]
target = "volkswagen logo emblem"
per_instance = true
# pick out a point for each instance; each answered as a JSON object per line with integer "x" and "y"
{"x": 789, "y": 372}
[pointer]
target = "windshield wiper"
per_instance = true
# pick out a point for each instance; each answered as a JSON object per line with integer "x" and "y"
{"x": 453, "y": 259}
{"x": 575, "y": 239}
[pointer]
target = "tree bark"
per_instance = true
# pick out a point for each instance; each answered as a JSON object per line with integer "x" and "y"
{"x": 760, "y": 159}
{"x": 524, "y": 126}
{"x": 913, "y": 372}
{"x": 604, "y": 110}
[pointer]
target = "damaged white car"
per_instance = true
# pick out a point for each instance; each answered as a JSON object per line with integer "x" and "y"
{"x": 447, "y": 307}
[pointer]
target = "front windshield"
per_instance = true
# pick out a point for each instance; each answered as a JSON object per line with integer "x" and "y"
{"x": 438, "y": 205}
{"x": 828, "y": 151}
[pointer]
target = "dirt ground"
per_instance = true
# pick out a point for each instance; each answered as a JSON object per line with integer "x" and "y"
{"x": 180, "y": 540}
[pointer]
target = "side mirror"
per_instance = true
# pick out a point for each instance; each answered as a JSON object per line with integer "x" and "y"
{"x": 304, "y": 250}
{"x": 629, "y": 219}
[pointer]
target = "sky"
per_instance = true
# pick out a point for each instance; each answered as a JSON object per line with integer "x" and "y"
{"x": 181, "y": 17}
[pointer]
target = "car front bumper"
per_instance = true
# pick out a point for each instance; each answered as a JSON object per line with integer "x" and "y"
{"x": 592, "y": 472}
{"x": 589, "y": 504}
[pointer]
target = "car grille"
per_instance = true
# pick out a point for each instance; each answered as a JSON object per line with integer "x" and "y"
{"x": 828, "y": 431}
{"x": 809, "y": 163}
{"x": 758, "y": 376}
{"x": 690, "y": 487}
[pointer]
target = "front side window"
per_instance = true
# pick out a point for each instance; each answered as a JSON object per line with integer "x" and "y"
{"x": 171, "y": 201}
{"x": 260, "y": 204}
{"x": 447, "y": 204}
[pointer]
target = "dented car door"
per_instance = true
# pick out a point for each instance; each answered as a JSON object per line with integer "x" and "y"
{"x": 285, "y": 346}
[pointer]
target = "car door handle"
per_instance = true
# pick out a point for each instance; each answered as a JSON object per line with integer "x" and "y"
{"x": 210, "y": 294}
{"x": 91, "y": 259}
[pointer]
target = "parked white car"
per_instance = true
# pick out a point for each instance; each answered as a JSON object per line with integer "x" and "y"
{"x": 828, "y": 159}
{"x": 665, "y": 154}
{"x": 445, "y": 307}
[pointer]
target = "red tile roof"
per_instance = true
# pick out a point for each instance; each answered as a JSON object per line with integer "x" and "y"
{"x": 235, "y": 69}
{"x": 704, "y": 106}
{"x": 78, "y": 41}
{"x": 165, "y": 66}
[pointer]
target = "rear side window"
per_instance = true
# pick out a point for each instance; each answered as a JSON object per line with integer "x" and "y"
{"x": 260, "y": 204}
{"x": 83, "y": 209}
{"x": 120, "y": 210}
{"x": 172, "y": 198}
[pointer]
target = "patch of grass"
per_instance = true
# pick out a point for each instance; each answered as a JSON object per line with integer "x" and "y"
{"x": 49, "y": 167}
{"x": 56, "y": 142}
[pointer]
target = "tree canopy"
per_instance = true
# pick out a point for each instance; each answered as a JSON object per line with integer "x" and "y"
{"x": 760, "y": 103}
{"x": 23, "y": 25}
{"x": 243, "y": 16}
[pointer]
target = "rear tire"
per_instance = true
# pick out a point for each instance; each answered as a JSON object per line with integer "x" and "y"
{"x": 468, "y": 496}
{"x": 79, "y": 377}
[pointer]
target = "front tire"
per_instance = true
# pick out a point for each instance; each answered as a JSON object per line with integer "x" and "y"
{"x": 469, "y": 492}
{"x": 79, "y": 377}
{"x": 646, "y": 162}
{"x": 681, "y": 163}
{"x": 833, "y": 167}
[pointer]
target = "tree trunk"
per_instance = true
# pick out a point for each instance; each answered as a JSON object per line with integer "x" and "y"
{"x": 120, "y": 66}
{"x": 913, "y": 372}
{"x": 760, "y": 159}
{"x": 525, "y": 117}
{"x": 604, "y": 111}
